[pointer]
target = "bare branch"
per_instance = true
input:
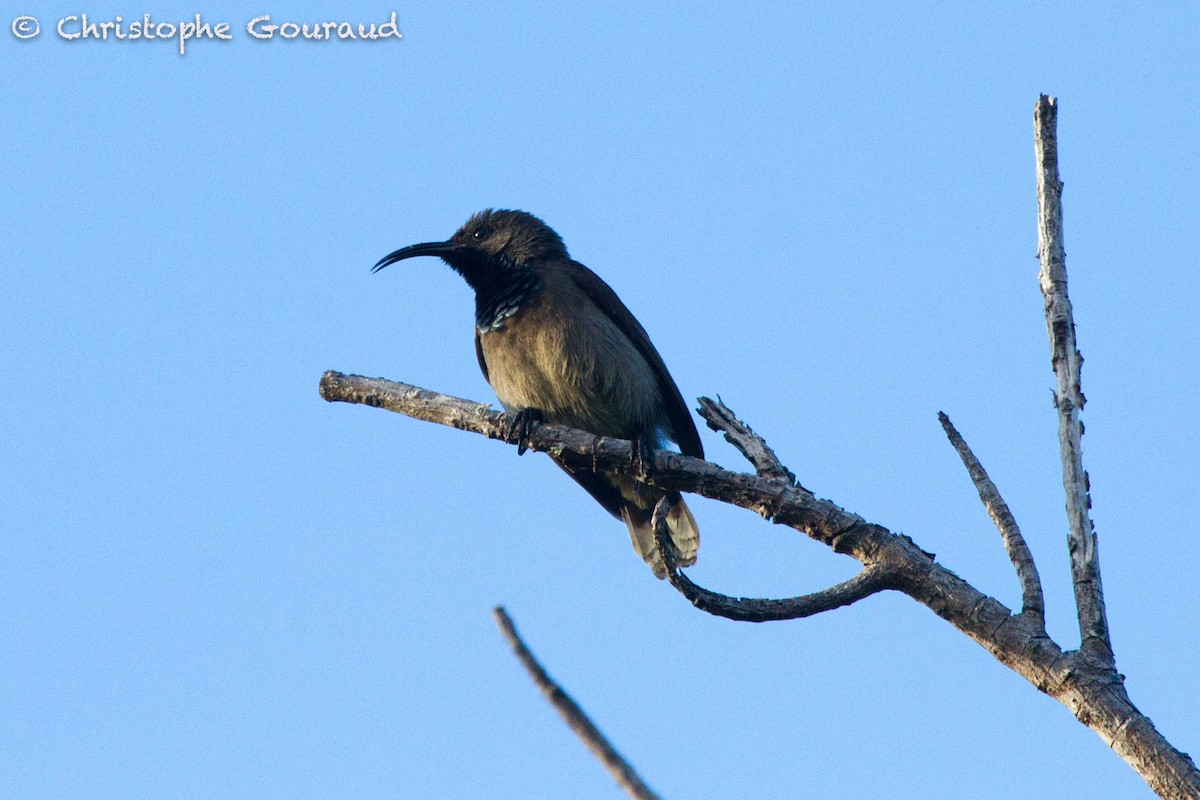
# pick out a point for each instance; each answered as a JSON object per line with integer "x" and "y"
{"x": 869, "y": 581}
{"x": 750, "y": 444}
{"x": 1092, "y": 691}
{"x": 1032, "y": 604}
{"x": 1068, "y": 398}
{"x": 412, "y": 401}
{"x": 575, "y": 718}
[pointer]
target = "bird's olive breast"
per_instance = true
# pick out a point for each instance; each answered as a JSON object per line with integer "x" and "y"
{"x": 572, "y": 363}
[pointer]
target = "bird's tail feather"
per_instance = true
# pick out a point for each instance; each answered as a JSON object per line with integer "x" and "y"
{"x": 685, "y": 534}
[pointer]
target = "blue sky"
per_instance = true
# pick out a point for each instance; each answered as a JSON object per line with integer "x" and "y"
{"x": 214, "y": 584}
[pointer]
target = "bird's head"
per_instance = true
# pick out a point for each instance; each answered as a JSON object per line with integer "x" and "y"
{"x": 489, "y": 244}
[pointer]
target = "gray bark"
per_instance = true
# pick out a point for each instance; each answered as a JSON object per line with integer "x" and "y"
{"x": 1068, "y": 396}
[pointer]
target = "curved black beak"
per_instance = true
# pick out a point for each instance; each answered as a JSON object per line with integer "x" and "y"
{"x": 440, "y": 249}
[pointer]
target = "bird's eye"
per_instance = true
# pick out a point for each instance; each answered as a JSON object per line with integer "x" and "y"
{"x": 479, "y": 234}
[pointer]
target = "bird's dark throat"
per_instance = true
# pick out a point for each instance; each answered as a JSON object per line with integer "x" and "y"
{"x": 503, "y": 293}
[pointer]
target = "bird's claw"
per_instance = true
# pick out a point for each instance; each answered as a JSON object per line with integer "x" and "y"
{"x": 520, "y": 425}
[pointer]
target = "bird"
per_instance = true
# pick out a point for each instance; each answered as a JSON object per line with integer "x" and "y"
{"x": 557, "y": 345}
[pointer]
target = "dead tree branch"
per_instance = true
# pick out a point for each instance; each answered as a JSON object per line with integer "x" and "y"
{"x": 576, "y": 719}
{"x": 1094, "y": 692}
{"x": 750, "y": 444}
{"x": 1068, "y": 397}
{"x": 867, "y": 582}
{"x": 1032, "y": 604}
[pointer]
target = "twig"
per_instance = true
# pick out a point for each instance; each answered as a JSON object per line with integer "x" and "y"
{"x": 870, "y": 580}
{"x": 750, "y": 444}
{"x": 1032, "y": 603}
{"x": 1068, "y": 398}
{"x": 576, "y": 719}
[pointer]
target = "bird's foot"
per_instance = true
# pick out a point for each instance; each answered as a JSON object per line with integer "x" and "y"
{"x": 641, "y": 455}
{"x": 520, "y": 425}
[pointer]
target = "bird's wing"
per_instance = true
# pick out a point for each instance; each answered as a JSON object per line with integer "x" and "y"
{"x": 482, "y": 360}
{"x": 606, "y": 299}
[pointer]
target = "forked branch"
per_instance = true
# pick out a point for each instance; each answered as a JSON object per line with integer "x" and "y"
{"x": 1092, "y": 691}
